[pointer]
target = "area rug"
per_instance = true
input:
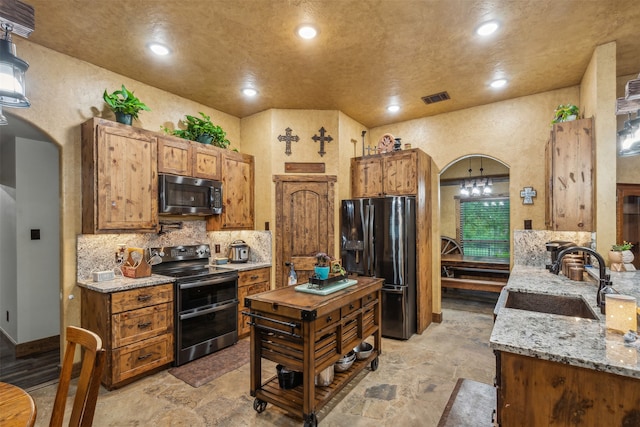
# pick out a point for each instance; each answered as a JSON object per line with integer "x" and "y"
{"x": 208, "y": 368}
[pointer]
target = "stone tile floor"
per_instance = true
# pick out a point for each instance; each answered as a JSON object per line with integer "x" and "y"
{"x": 410, "y": 388}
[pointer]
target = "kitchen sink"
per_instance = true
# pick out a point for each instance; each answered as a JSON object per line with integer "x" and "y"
{"x": 552, "y": 304}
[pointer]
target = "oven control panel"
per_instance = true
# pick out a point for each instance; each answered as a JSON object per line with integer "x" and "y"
{"x": 182, "y": 253}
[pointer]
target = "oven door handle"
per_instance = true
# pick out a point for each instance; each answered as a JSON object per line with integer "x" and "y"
{"x": 215, "y": 308}
{"x": 222, "y": 278}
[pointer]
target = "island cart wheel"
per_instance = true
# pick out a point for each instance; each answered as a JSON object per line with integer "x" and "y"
{"x": 259, "y": 405}
{"x": 374, "y": 364}
{"x": 449, "y": 246}
{"x": 311, "y": 420}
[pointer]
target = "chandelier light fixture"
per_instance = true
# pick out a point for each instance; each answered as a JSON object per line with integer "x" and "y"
{"x": 476, "y": 186}
{"x": 629, "y": 136}
{"x": 12, "y": 69}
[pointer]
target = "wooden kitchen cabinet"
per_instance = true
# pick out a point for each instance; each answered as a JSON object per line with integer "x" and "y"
{"x": 389, "y": 174}
{"x": 250, "y": 282}
{"x": 119, "y": 178}
{"x": 238, "y": 193}
{"x": 178, "y": 156}
{"x": 535, "y": 392}
{"x": 136, "y": 328}
{"x": 569, "y": 174}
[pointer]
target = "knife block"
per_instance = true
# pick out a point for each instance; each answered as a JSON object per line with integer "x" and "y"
{"x": 141, "y": 270}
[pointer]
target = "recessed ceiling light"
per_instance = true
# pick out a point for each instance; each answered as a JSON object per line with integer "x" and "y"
{"x": 498, "y": 83}
{"x": 307, "y": 32}
{"x": 249, "y": 91}
{"x": 487, "y": 28}
{"x": 393, "y": 108}
{"x": 159, "y": 49}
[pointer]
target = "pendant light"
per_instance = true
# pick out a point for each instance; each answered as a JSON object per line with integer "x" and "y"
{"x": 12, "y": 69}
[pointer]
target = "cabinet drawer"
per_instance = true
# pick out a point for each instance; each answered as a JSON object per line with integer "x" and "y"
{"x": 328, "y": 319}
{"x": 250, "y": 277}
{"x": 141, "y": 297}
{"x": 350, "y": 308}
{"x": 369, "y": 298}
{"x": 140, "y": 357}
{"x": 137, "y": 325}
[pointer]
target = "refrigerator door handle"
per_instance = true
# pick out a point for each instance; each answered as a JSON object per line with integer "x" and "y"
{"x": 372, "y": 253}
{"x": 366, "y": 236}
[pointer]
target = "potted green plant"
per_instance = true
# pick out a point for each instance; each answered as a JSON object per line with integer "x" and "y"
{"x": 619, "y": 255}
{"x": 565, "y": 113}
{"x": 201, "y": 129}
{"x": 124, "y": 104}
{"x": 321, "y": 269}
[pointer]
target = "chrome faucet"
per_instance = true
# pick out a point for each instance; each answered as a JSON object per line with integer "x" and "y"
{"x": 604, "y": 286}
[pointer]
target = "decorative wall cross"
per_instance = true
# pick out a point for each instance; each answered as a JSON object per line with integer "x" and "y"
{"x": 322, "y": 139}
{"x": 287, "y": 138}
{"x": 527, "y": 195}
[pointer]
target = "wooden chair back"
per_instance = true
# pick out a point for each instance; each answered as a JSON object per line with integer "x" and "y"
{"x": 86, "y": 395}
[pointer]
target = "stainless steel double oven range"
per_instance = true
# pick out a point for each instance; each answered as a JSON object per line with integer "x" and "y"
{"x": 206, "y": 301}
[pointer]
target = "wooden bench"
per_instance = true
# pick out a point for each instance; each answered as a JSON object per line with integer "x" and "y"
{"x": 474, "y": 273}
{"x": 472, "y": 284}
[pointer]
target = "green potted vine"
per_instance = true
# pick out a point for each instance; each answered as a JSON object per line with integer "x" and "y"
{"x": 201, "y": 129}
{"x": 565, "y": 113}
{"x": 124, "y": 104}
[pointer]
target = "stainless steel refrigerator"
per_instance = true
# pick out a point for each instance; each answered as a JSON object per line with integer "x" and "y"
{"x": 378, "y": 239}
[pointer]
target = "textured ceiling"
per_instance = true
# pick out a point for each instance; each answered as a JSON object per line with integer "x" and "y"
{"x": 369, "y": 53}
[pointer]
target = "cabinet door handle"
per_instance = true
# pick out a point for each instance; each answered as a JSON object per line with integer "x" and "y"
{"x": 144, "y": 325}
{"x": 350, "y": 306}
{"x": 254, "y": 277}
{"x": 146, "y": 356}
{"x": 143, "y": 298}
{"x": 329, "y": 319}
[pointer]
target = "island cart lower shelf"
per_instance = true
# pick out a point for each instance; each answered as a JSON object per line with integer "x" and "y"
{"x": 309, "y": 333}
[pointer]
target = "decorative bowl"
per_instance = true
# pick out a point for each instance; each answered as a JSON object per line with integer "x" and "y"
{"x": 363, "y": 350}
{"x": 345, "y": 362}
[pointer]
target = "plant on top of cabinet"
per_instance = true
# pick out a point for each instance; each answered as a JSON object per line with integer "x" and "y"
{"x": 565, "y": 113}
{"x": 201, "y": 130}
{"x": 124, "y": 104}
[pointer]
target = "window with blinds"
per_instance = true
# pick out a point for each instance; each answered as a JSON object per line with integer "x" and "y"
{"x": 484, "y": 227}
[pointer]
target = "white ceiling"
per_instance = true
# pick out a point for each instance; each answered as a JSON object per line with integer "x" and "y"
{"x": 369, "y": 53}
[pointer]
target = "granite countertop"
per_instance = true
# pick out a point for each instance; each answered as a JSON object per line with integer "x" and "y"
{"x": 121, "y": 283}
{"x": 241, "y": 266}
{"x": 570, "y": 340}
{"x": 125, "y": 283}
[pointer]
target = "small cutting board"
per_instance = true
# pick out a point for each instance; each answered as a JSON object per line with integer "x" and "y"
{"x": 334, "y": 287}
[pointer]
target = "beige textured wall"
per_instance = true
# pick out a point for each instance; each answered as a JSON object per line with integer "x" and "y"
{"x": 514, "y": 132}
{"x": 597, "y": 93}
{"x": 65, "y": 92}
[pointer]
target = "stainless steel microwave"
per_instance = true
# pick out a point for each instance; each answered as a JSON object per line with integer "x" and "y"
{"x": 183, "y": 195}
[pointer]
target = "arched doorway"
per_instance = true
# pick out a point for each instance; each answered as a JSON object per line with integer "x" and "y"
{"x": 30, "y": 265}
{"x": 475, "y": 230}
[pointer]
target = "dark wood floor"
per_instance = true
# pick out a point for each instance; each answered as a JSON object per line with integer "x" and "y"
{"x": 28, "y": 372}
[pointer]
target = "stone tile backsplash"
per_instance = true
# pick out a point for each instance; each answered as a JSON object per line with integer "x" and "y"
{"x": 96, "y": 252}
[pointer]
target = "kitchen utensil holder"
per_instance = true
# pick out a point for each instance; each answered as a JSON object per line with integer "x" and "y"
{"x": 141, "y": 270}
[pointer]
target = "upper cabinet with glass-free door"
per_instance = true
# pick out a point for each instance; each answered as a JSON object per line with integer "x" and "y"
{"x": 389, "y": 174}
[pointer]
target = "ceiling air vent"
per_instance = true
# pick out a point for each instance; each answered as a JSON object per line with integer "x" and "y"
{"x": 436, "y": 97}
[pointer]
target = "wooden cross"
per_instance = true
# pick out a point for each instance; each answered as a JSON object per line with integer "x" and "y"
{"x": 527, "y": 195}
{"x": 287, "y": 138}
{"x": 322, "y": 139}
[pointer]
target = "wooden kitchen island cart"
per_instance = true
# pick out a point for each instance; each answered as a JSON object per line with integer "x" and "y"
{"x": 309, "y": 333}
